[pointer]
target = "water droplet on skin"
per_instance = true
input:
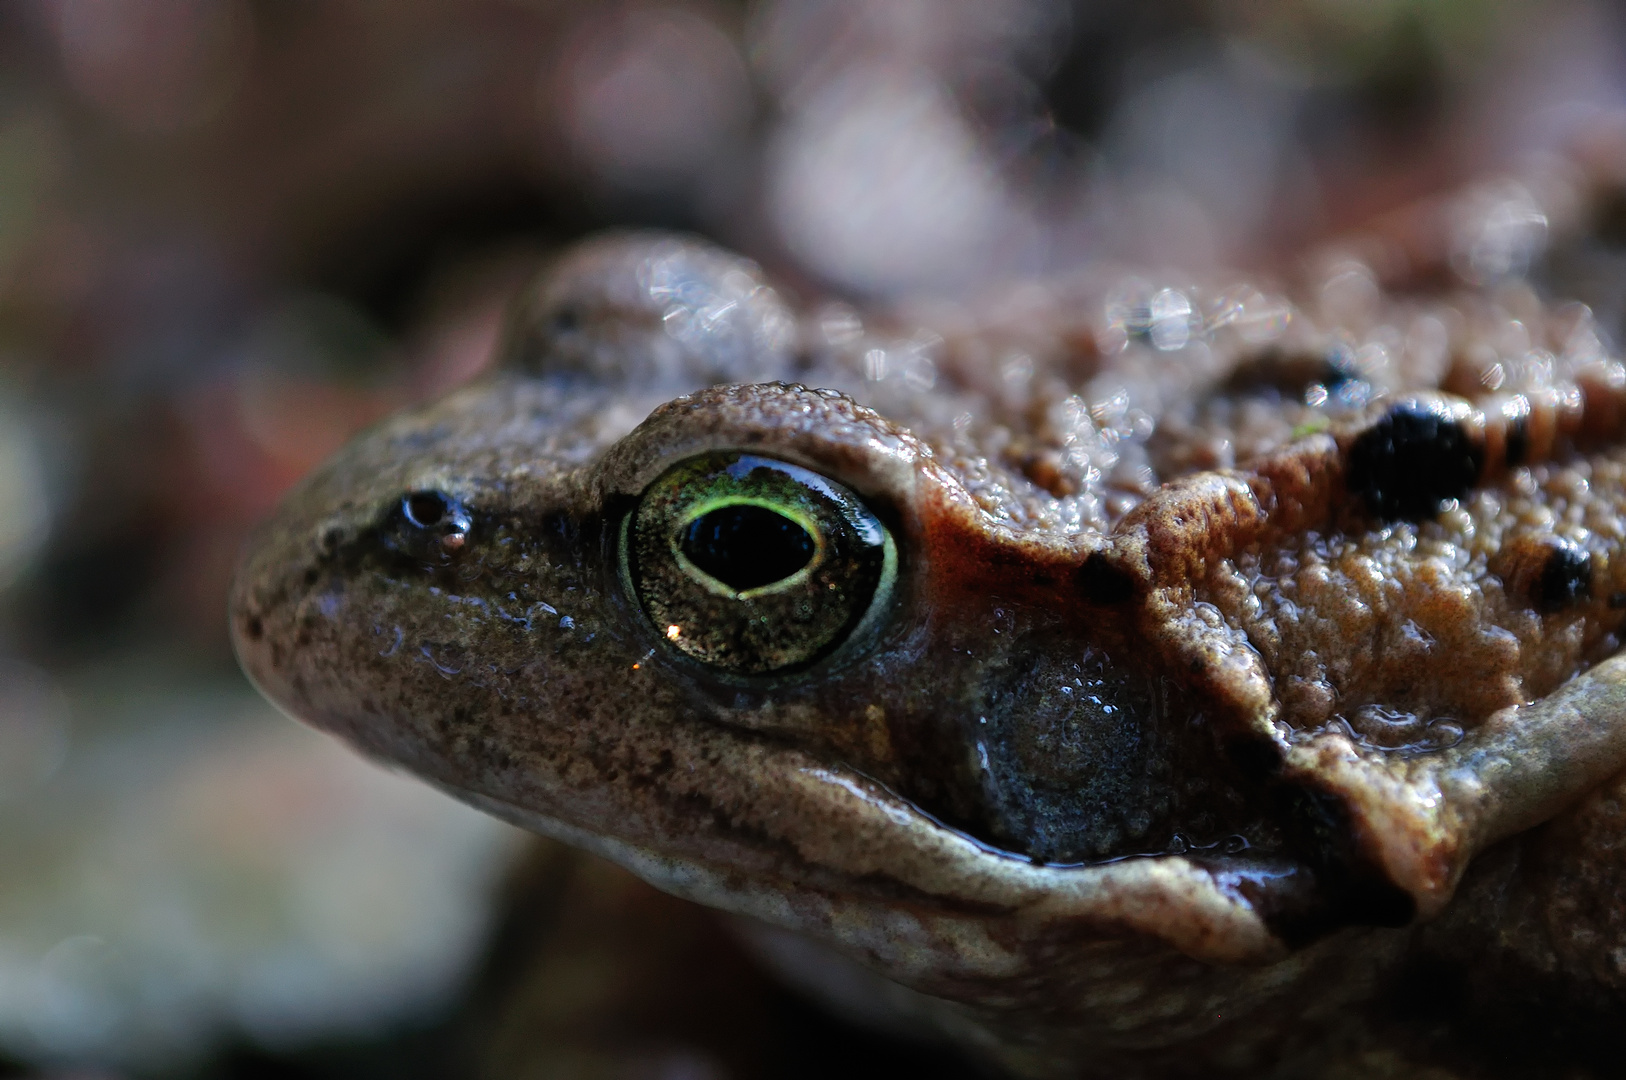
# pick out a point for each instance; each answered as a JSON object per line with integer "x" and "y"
{"x": 1170, "y": 315}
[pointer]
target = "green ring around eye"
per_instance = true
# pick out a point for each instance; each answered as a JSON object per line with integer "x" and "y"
{"x": 754, "y": 566}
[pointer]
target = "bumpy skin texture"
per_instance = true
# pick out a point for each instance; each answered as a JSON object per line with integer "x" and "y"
{"x": 1227, "y": 631}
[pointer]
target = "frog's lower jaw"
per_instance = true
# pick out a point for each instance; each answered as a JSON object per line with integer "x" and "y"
{"x": 1078, "y": 961}
{"x": 1094, "y": 1001}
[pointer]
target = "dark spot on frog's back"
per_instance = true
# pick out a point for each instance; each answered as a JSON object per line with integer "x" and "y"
{"x": 1566, "y": 577}
{"x": 1547, "y": 573}
{"x": 1416, "y": 458}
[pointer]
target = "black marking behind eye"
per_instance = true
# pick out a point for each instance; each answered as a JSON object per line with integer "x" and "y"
{"x": 1413, "y": 461}
{"x": 746, "y": 546}
{"x": 1103, "y": 583}
{"x": 1566, "y": 576}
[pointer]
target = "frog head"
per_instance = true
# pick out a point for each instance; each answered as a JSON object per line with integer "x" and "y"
{"x": 664, "y": 586}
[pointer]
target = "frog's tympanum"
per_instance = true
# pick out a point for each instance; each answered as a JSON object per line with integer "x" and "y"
{"x": 1131, "y": 674}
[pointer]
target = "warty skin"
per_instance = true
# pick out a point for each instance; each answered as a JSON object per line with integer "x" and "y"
{"x": 1193, "y": 871}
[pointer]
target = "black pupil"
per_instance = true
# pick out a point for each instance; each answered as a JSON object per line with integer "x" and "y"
{"x": 746, "y": 546}
{"x": 426, "y": 509}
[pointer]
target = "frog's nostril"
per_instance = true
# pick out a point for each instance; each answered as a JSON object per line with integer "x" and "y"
{"x": 425, "y": 509}
{"x": 428, "y": 526}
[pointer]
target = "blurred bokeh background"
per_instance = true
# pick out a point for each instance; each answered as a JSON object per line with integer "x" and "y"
{"x": 234, "y": 231}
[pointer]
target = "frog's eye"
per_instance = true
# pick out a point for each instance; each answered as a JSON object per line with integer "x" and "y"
{"x": 755, "y": 566}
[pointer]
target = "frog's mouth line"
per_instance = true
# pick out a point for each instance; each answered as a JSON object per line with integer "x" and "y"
{"x": 977, "y": 899}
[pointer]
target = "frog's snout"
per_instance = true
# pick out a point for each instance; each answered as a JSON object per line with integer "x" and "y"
{"x": 281, "y": 614}
{"x": 252, "y": 619}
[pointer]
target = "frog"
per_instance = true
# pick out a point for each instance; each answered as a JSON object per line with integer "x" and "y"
{"x": 1125, "y": 673}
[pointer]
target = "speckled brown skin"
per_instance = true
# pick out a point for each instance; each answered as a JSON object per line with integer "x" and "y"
{"x": 1325, "y": 709}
